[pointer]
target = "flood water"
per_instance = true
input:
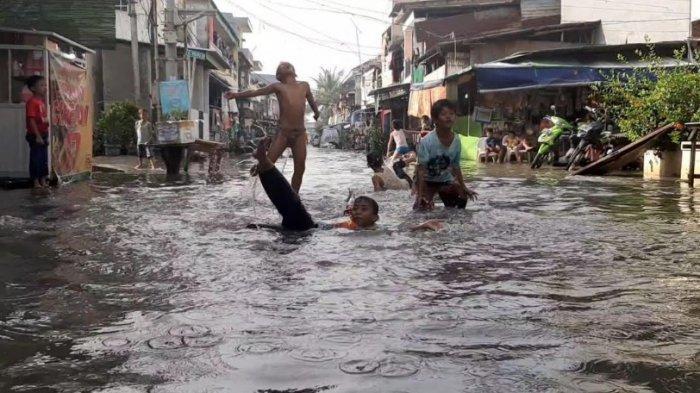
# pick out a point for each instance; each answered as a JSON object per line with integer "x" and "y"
{"x": 547, "y": 283}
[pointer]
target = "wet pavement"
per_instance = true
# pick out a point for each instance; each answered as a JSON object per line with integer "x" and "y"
{"x": 133, "y": 284}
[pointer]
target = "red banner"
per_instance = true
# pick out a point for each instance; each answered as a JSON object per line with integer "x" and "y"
{"x": 71, "y": 118}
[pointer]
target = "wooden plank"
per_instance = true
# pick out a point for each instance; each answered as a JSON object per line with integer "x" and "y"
{"x": 624, "y": 156}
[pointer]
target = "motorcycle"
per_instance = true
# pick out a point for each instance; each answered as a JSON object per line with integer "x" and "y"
{"x": 549, "y": 139}
{"x": 590, "y": 135}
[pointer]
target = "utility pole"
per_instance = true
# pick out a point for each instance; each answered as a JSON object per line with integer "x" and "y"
{"x": 358, "y": 89}
{"x": 170, "y": 37}
{"x": 135, "y": 51}
{"x": 154, "y": 61}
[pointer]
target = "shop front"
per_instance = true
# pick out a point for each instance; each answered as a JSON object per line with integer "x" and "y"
{"x": 67, "y": 67}
{"x": 391, "y": 103}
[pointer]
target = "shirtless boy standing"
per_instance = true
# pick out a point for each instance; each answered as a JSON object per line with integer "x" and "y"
{"x": 291, "y": 96}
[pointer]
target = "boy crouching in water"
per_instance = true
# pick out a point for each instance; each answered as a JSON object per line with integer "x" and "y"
{"x": 439, "y": 170}
{"x": 292, "y": 96}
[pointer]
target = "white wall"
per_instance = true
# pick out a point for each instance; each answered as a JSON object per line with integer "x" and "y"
{"x": 630, "y": 21}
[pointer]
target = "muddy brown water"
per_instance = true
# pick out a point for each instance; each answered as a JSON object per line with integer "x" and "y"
{"x": 548, "y": 283}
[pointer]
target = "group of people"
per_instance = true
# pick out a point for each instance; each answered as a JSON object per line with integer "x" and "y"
{"x": 504, "y": 148}
{"x": 438, "y": 160}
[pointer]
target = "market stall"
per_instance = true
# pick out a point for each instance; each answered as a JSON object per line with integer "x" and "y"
{"x": 66, "y": 66}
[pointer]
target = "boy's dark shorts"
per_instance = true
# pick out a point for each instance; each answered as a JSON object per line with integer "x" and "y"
{"x": 145, "y": 151}
{"x": 448, "y": 192}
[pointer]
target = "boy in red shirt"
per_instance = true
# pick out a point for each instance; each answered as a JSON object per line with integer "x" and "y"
{"x": 38, "y": 132}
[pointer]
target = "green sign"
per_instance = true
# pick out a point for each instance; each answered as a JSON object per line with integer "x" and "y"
{"x": 195, "y": 54}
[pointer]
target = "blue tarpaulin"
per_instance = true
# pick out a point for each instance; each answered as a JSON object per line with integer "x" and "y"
{"x": 499, "y": 77}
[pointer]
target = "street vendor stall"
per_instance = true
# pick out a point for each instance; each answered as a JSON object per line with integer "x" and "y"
{"x": 66, "y": 66}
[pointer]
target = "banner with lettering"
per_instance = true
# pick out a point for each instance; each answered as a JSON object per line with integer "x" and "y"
{"x": 72, "y": 118}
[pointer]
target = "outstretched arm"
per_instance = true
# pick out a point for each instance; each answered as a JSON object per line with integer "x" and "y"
{"x": 312, "y": 102}
{"x": 466, "y": 192}
{"x": 265, "y": 91}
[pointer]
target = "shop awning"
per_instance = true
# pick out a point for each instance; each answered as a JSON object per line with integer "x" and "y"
{"x": 224, "y": 78}
{"x": 502, "y": 76}
{"x": 389, "y": 92}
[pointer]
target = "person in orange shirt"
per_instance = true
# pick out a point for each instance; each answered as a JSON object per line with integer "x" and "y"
{"x": 38, "y": 132}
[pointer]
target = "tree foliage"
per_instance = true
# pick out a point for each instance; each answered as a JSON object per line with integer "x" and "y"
{"x": 648, "y": 98}
{"x": 328, "y": 92}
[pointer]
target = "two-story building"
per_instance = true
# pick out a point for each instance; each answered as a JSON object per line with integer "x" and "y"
{"x": 209, "y": 48}
{"x": 433, "y": 46}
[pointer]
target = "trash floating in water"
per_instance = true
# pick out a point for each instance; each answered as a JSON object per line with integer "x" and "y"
{"x": 359, "y": 366}
{"x": 202, "y": 342}
{"x": 115, "y": 342}
{"x": 189, "y": 331}
{"x": 261, "y": 347}
{"x": 399, "y": 366}
{"x": 166, "y": 342}
{"x": 317, "y": 355}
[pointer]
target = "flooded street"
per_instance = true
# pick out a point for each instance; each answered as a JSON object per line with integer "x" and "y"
{"x": 547, "y": 283}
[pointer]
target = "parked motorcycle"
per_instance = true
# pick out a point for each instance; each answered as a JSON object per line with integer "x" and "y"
{"x": 549, "y": 140}
{"x": 590, "y": 135}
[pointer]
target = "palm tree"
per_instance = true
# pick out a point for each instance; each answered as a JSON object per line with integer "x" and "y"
{"x": 328, "y": 91}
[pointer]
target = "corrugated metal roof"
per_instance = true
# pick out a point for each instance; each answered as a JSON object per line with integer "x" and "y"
{"x": 540, "y": 8}
{"x": 92, "y": 23}
{"x": 46, "y": 34}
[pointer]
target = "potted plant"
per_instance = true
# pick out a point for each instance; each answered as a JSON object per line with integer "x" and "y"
{"x": 649, "y": 98}
{"x": 115, "y": 128}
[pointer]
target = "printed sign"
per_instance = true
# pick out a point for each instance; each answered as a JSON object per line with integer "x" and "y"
{"x": 72, "y": 118}
{"x": 174, "y": 97}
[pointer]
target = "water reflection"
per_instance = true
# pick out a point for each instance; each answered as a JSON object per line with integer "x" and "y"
{"x": 548, "y": 283}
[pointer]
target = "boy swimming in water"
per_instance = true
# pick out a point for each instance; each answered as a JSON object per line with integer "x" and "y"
{"x": 292, "y": 96}
{"x": 364, "y": 211}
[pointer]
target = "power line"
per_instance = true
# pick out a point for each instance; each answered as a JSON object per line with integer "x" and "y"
{"x": 369, "y": 17}
{"x": 306, "y": 38}
{"x": 333, "y": 39}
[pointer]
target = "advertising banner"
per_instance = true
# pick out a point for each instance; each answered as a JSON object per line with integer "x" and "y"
{"x": 72, "y": 118}
{"x": 174, "y": 98}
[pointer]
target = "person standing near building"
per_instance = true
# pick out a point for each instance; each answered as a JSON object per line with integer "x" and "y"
{"x": 38, "y": 132}
{"x": 144, "y": 138}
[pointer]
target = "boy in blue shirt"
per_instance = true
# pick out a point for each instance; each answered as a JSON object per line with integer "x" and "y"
{"x": 439, "y": 171}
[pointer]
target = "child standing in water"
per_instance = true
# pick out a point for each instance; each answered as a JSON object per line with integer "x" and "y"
{"x": 398, "y": 136}
{"x": 292, "y": 96}
{"x": 38, "y": 132}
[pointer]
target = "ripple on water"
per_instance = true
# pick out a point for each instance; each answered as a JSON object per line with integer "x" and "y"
{"x": 343, "y": 337}
{"x": 260, "y": 347}
{"x": 317, "y": 355}
{"x": 116, "y": 342}
{"x": 359, "y": 366}
{"x": 202, "y": 342}
{"x": 166, "y": 342}
{"x": 189, "y": 331}
{"x": 399, "y": 366}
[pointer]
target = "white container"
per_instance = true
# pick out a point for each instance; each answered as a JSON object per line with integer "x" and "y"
{"x": 685, "y": 161}
{"x": 662, "y": 165}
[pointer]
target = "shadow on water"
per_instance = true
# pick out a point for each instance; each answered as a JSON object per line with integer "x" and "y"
{"x": 548, "y": 283}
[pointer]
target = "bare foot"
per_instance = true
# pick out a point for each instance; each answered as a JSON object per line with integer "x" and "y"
{"x": 260, "y": 153}
{"x": 139, "y": 167}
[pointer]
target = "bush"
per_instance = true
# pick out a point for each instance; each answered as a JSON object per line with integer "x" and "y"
{"x": 378, "y": 141}
{"x": 650, "y": 98}
{"x": 116, "y": 126}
